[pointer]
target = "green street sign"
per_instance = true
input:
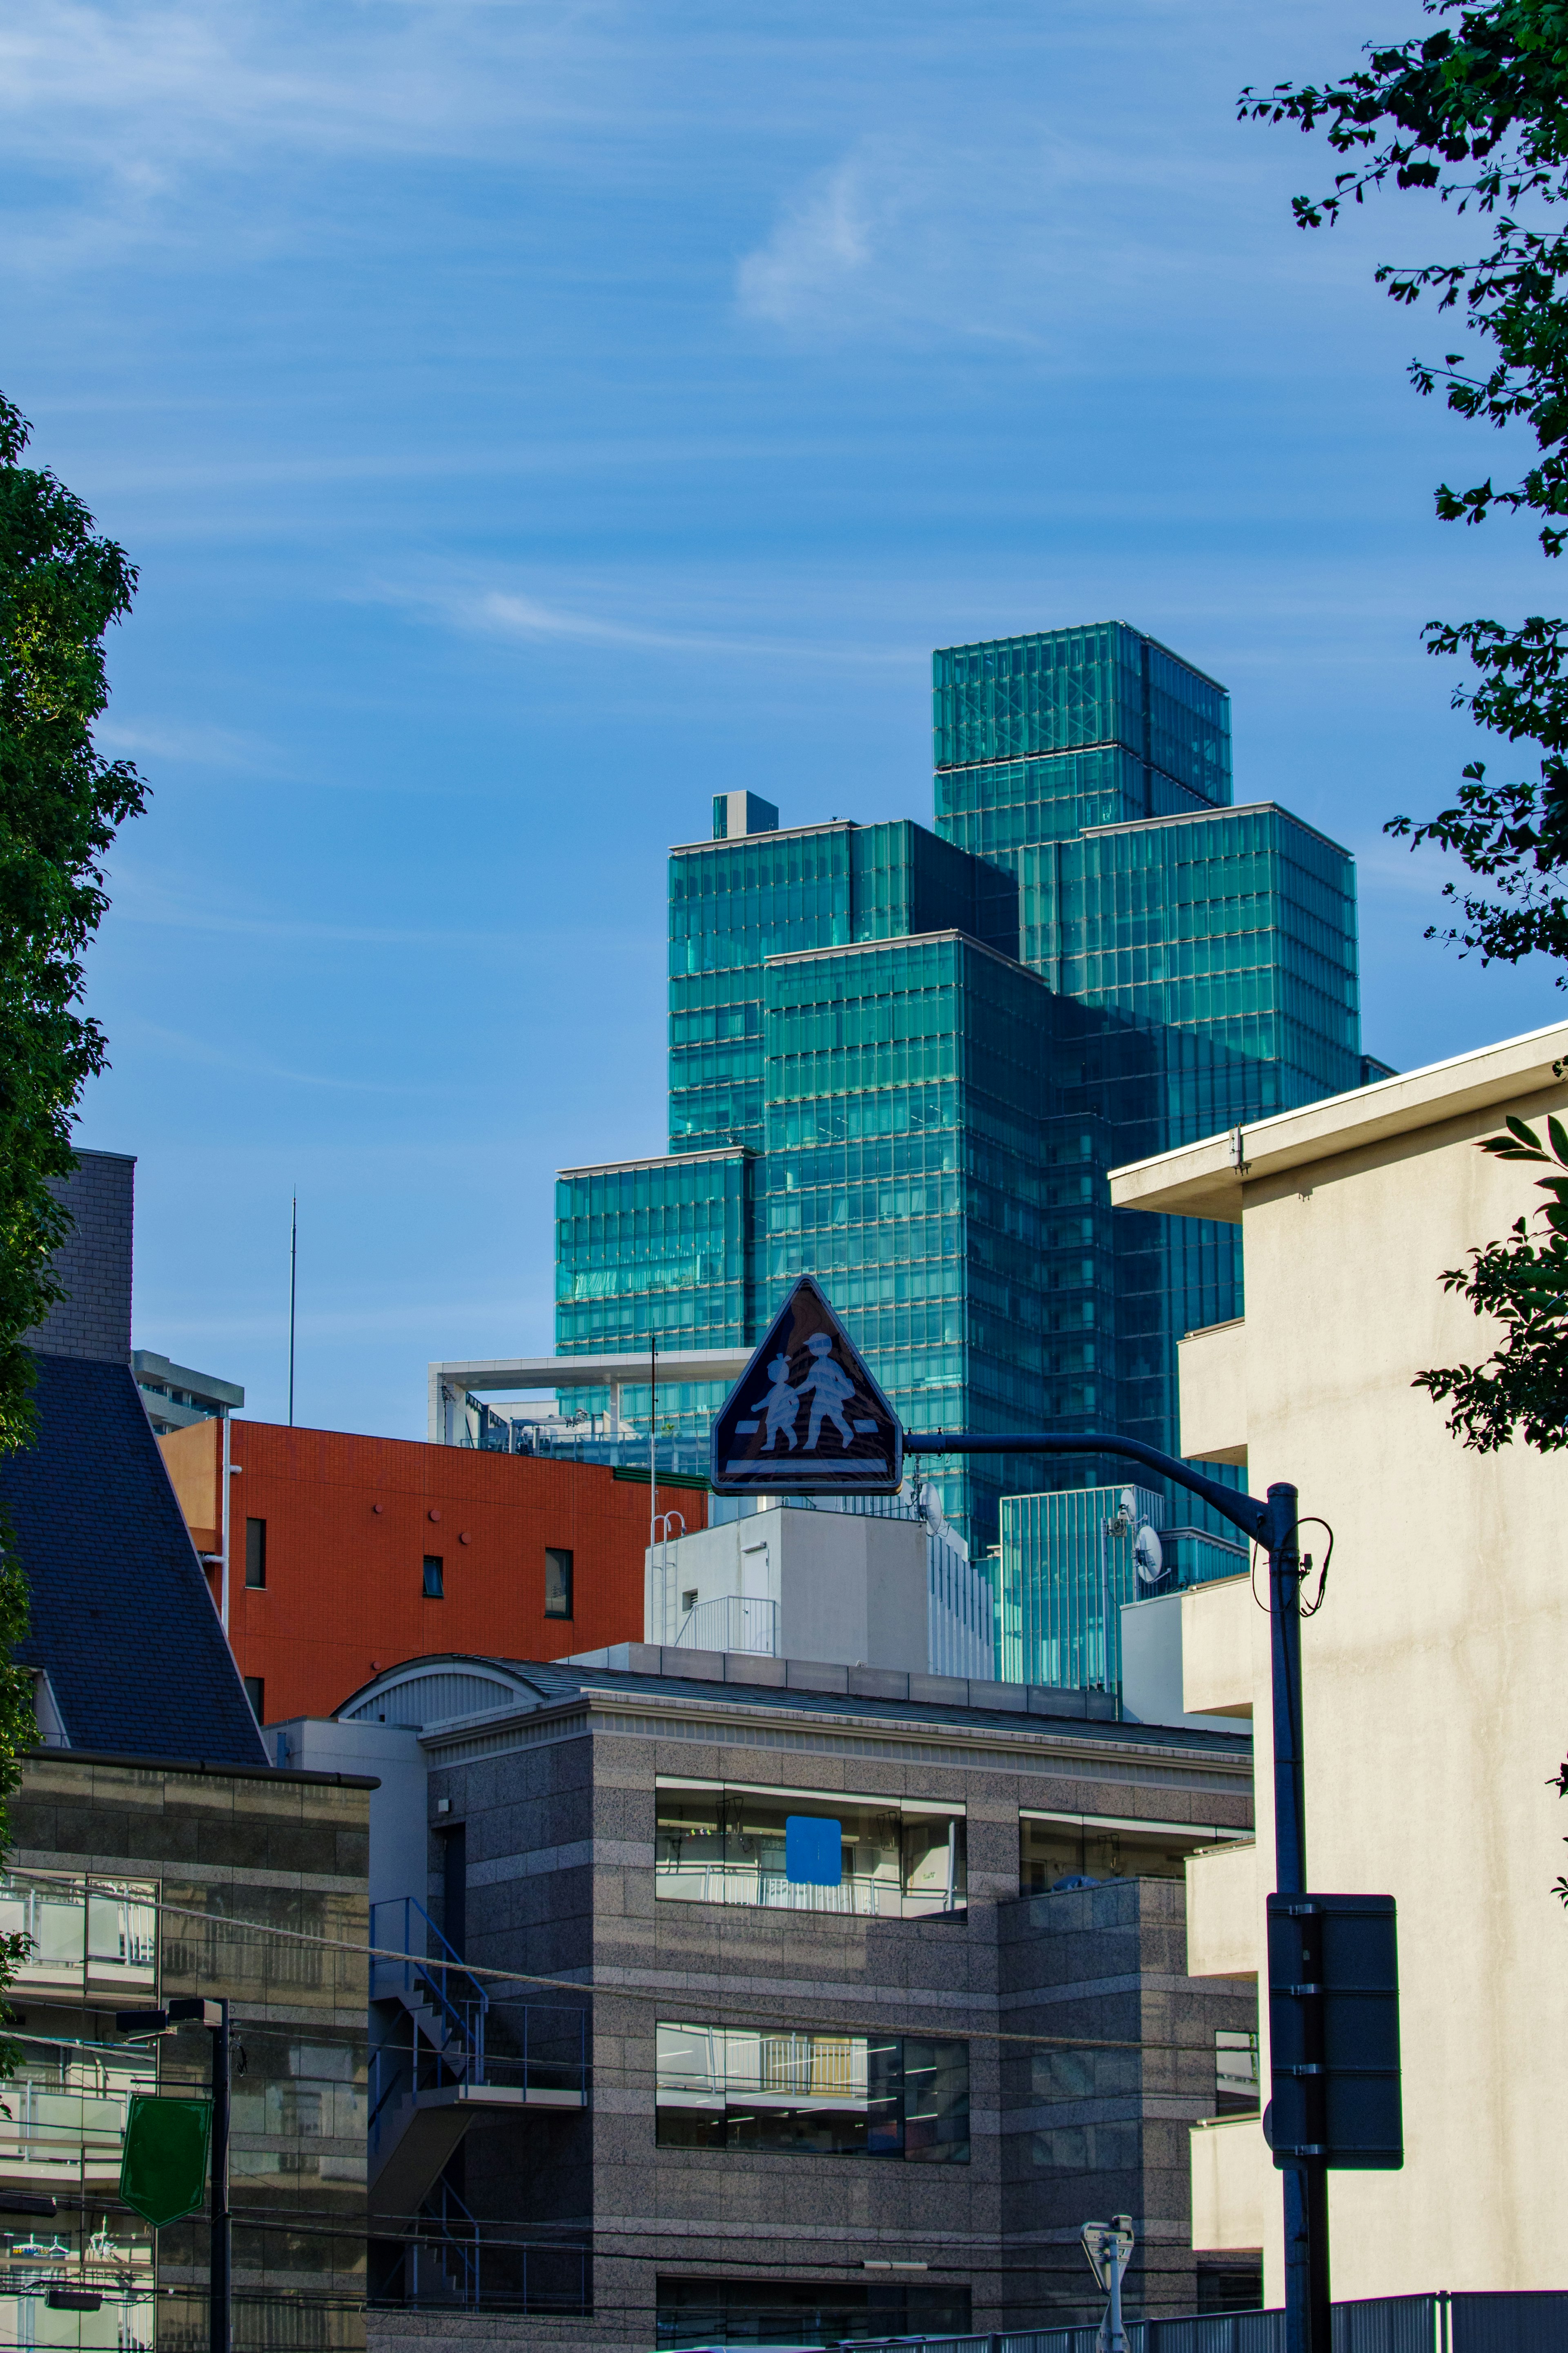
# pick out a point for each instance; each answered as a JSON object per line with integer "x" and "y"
{"x": 164, "y": 2169}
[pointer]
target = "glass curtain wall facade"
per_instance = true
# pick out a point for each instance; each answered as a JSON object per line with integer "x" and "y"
{"x": 904, "y": 1060}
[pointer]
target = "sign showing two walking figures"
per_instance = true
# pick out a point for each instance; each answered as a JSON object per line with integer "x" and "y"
{"x": 806, "y": 1418}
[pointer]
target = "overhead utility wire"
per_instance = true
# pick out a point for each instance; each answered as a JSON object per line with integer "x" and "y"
{"x": 666, "y": 1995}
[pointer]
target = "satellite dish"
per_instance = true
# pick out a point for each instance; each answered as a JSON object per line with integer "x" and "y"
{"x": 1129, "y": 1506}
{"x": 1149, "y": 1553}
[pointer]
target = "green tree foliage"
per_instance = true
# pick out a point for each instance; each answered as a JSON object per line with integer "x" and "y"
{"x": 1476, "y": 113}
{"x": 60, "y": 805}
{"x": 60, "y": 587}
{"x": 1523, "y": 1282}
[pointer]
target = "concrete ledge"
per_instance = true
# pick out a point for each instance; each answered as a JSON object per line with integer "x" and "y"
{"x": 745, "y": 1667}
{"x": 812, "y": 1675}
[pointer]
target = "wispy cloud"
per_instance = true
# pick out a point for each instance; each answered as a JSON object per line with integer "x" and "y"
{"x": 181, "y": 1047}
{"x": 144, "y": 900}
{"x": 823, "y": 244}
{"x": 209, "y": 747}
{"x": 511, "y": 614}
{"x": 181, "y": 80}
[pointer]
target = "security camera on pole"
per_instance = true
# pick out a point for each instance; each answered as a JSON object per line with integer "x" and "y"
{"x": 1109, "y": 2246}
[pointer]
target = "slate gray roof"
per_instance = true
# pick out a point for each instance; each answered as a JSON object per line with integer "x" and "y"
{"x": 120, "y": 1616}
{"x": 557, "y": 1682}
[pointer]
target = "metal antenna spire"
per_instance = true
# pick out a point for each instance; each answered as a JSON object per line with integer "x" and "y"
{"x": 293, "y": 1270}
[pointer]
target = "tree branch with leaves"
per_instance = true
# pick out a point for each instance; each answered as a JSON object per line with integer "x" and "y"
{"x": 61, "y": 587}
{"x": 1522, "y": 1282}
{"x": 1476, "y": 114}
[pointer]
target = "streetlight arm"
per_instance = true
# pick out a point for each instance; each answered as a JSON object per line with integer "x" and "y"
{"x": 1254, "y": 1519}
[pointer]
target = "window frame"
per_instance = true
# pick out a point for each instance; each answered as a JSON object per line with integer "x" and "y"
{"x": 554, "y": 1556}
{"x": 763, "y": 1876}
{"x": 434, "y": 1590}
{"x": 762, "y": 2093}
{"x": 1204, "y": 1836}
{"x": 254, "y": 1555}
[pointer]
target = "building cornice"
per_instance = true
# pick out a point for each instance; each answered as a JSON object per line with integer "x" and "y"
{"x": 1209, "y": 1180}
{"x": 731, "y": 1718}
{"x": 1206, "y": 815}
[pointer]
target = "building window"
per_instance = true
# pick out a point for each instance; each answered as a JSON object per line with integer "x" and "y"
{"x": 1089, "y": 2148}
{"x": 1230, "y": 2287}
{"x": 256, "y": 1692}
{"x": 557, "y": 1582}
{"x": 82, "y": 1932}
{"x": 1085, "y": 2074}
{"x": 813, "y": 2094}
{"x": 705, "y": 2312}
{"x": 771, "y": 1847}
{"x": 1060, "y": 1851}
{"x": 1235, "y": 2073}
{"x": 433, "y": 1591}
{"x": 256, "y": 1555}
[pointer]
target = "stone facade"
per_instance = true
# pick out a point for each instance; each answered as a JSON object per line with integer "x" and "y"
{"x": 557, "y": 1814}
{"x": 186, "y": 1848}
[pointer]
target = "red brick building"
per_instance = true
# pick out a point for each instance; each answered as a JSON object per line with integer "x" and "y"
{"x": 348, "y": 1555}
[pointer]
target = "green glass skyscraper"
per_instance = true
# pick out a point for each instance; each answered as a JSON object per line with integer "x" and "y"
{"x": 903, "y": 1060}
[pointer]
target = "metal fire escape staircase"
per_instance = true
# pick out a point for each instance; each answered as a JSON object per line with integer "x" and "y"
{"x": 431, "y": 2078}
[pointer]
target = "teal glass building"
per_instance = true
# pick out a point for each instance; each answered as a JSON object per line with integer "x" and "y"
{"x": 902, "y": 1059}
{"x": 1066, "y": 1566}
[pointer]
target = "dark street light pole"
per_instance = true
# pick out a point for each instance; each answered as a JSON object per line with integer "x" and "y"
{"x": 1308, "y": 2311}
{"x": 198, "y": 2009}
{"x": 220, "y": 2301}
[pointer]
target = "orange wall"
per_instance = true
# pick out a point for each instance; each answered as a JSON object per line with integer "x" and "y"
{"x": 349, "y": 1522}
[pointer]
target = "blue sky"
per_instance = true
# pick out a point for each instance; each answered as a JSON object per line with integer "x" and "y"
{"x": 529, "y": 419}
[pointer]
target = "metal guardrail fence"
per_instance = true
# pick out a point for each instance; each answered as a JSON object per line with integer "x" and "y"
{"x": 1519, "y": 2322}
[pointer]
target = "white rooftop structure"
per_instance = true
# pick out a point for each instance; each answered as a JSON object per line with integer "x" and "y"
{"x": 489, "y": 1376}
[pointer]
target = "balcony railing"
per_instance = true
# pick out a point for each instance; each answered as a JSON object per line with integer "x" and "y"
{"x": 735, "y": 1623}
{"x": 1522, "y": 2321}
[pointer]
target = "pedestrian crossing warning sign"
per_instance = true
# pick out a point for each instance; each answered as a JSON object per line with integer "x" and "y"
{"x": 806, "y": 1418}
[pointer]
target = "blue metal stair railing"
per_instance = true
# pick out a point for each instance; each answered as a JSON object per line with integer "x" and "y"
{"x": 448, "y": 2236}
{"x": 458, "y": 1999}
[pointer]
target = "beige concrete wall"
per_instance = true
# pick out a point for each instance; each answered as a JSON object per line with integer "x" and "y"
{"x": 1232, "y": 2173}
{"x": 1435, "y": 1700}
{"x": 1211, "y": 1368}
{"x": 1218, "y": 1641}
{"x": 1225, "y": 1903}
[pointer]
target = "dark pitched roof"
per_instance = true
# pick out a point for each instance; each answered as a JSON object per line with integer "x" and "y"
{"x": 120, "y": 1616}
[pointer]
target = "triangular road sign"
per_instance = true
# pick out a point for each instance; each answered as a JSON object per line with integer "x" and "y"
{"x": 806, "y": 1418}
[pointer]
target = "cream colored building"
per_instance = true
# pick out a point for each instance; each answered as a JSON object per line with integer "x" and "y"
{"x": 1436, "y": 1678}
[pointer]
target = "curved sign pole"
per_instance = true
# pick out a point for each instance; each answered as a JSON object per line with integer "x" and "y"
{"x": 1273, "y": 1524}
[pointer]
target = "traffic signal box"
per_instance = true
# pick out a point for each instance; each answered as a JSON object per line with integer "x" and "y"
{"x": 1333, "y": 2030}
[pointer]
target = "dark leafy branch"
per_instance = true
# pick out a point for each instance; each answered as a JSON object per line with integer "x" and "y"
{"x": 1476, "y": 113}
{"x": 1523, "y": 1282}
{"x": 61, "y": 585}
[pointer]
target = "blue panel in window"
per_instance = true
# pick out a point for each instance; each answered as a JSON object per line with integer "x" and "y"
{"x": 814, "y": 1851}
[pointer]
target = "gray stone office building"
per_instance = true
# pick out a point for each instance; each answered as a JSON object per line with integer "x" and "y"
{"x": 881, "y": 1981}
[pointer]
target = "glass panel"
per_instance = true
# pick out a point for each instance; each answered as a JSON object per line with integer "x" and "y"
{"x": 1055, "y": 1856}
{"x": 1236, "y": 2075}
{"x": 107, "y": 1940}
{"x": 812, "y": 2094}
{"x": 728, "y": 1846}
{"x": 936, "y": 2100}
